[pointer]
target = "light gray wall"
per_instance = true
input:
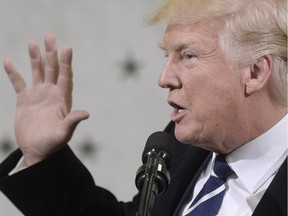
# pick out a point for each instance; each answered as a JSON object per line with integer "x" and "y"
{"x": 124, "y": 111}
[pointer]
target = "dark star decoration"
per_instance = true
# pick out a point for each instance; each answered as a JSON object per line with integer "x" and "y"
{"x": 130, "y": 67}
{"x": 88, "y": 148}
{"x": 6, "y": 146}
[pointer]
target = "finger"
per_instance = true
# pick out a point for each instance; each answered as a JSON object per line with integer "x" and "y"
{"x": 36, "y": 63}
{"x": 51, "y": 63}
{"x": 74, "y": 118}
{"x": 15, "y": 78}
{"x": 65, "y": 79}
{"x": 70, "y": 123}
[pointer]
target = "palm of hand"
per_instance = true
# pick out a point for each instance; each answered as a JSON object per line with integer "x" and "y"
{"x": 40, "y": 119}
{"x": 44, "y": 122}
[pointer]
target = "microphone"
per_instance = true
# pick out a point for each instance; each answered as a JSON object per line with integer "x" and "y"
{"x": 153, "y": 178}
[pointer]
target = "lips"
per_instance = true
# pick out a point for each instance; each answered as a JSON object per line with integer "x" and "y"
{"x": 176, "y": 106}
{"x": 178, "y": 112}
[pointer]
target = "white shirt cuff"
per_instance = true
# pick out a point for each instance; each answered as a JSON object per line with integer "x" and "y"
{"x": 20, "y": 166}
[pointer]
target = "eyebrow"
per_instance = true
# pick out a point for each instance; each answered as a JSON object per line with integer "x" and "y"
{"x": 161, "y": 46}
{"x": 180, "y": 45}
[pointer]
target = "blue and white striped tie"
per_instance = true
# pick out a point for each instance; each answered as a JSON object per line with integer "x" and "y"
{"x": 209, "y": 199}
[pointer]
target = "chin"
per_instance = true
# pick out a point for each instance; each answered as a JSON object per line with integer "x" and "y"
{"x": 187, "y": 135}
{"x": 183, "y": 137}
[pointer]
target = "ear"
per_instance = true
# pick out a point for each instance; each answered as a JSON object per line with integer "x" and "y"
{"x": 259, "y": 74}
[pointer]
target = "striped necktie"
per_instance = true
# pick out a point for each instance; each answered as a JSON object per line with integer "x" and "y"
{"x": 209, "y": 199}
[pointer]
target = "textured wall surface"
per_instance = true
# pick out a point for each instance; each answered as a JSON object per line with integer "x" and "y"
{"x": 116, "y": 67}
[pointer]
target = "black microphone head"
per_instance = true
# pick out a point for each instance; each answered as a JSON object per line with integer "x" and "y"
{"x": 161, "y": 142}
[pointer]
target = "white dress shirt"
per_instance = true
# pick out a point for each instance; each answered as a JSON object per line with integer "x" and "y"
{"x": 255, "y": 165}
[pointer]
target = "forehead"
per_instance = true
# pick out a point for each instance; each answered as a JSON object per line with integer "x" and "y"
{"x": 200, "y": 34}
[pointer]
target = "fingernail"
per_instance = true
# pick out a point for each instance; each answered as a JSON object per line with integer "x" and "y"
{"x": 50, "y": 43}
{"x": 67, "y": 55}
{"x": 33, "y": 50}
{"x": 7, "y": 64}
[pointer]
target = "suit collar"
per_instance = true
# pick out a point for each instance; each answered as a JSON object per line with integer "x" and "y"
{"x": 274, "y": 201}
{"x": 188, "y": 192}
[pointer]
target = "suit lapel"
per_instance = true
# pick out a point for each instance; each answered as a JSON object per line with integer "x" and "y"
{"x": 188, "y": 192}
{"x": 274, "y": 201}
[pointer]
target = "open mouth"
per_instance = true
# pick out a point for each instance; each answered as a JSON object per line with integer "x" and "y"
{"x": 176, "y": 107}
{"x": 178, "y": 112}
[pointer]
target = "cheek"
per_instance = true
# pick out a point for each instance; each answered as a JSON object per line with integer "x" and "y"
{"x": 212, "y": 110}
{"x": 215, "y": 104}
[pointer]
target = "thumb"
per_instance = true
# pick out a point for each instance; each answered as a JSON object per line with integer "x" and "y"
{"x": 75, "y": 117}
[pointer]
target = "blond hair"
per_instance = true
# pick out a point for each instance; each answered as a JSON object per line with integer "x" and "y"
{"x": 251, "y": 30}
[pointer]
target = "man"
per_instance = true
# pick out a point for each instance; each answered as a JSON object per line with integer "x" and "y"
{"x": 226, "y": 73}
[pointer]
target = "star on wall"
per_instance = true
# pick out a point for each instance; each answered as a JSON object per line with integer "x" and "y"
{"x": 6, "y": 145}
{"x": 130, "y": 67}
{"x": 88, "y": 148}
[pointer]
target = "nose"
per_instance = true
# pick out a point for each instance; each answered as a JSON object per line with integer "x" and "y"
{"x": 168, "y": 77}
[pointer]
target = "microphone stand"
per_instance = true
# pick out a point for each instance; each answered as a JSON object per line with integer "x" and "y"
{"x": 154, "y": 179}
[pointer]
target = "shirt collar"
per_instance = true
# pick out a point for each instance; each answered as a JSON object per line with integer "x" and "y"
{"x": 257, "y": 160}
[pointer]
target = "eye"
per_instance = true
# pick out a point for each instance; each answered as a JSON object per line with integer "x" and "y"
{"x": 166, "y": 55}
{"x": 189, "y": 56}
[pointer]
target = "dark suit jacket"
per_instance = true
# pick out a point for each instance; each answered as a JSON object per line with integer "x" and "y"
{"x": 61, "y": 185}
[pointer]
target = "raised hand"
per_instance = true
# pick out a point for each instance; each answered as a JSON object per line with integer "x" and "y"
{"x": 44, "y": 122}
